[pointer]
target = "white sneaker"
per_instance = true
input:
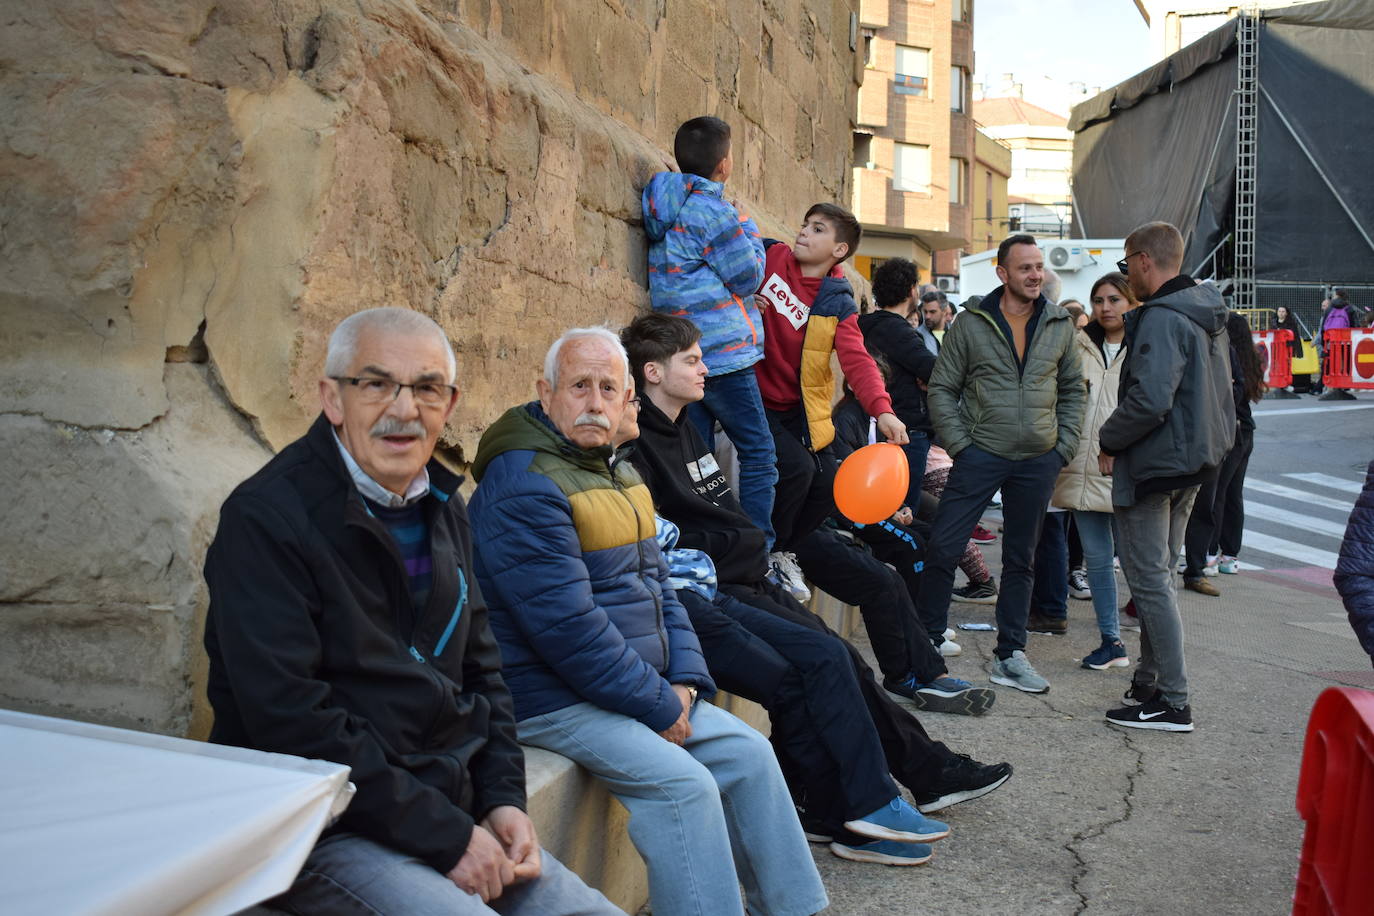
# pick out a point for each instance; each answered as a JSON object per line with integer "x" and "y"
{"x": 1211, "y": 568}
{"x": 789, "y": 574}
{"x": 1228, "y": 566}
{"x": 949, "y": 633}
{"x": 949, "y": 648}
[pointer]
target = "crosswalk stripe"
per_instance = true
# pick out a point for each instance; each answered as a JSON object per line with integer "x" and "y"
{"x": 1280, "y": 547}
{"x": 1312, "y": 499}
{"x": 1255, "y": 509}
{"x": 1326, "y": 480}
{"x": 1282, "y": 411}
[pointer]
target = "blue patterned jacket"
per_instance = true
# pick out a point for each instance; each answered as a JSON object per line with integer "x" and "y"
{"x": 705, "y": 264}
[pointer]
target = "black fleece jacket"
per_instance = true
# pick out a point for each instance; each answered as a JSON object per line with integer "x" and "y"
{"x": 316, "y": 650}
{"x": 690, "y": 490}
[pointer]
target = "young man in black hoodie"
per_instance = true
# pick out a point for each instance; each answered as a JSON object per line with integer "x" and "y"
{"x": 690, "y": 490}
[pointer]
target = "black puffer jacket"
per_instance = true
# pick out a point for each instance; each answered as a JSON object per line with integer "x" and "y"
{"x": 316, "y": 650}
{"x": 1355, "y": 569}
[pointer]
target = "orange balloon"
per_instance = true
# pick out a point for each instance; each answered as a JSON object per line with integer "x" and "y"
{"x": 871, "y": 483}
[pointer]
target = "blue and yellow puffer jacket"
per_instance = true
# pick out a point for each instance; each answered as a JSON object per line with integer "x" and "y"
{"x": 576, "y": 586}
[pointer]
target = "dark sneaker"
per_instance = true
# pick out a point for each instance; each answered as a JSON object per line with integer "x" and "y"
{"x": 982, "y": 535}
{"x": 884, "y": 852}
{"x": 1111, "y": 654}
{"x": 814, "y": 830}
{"x": 1078, "y": 584}
{"x": 976, "y": 593}
{"x": 1202, "y": 587}
{"x": 962, "y": 779}
{"x": 1137, "y": 694}
{"x": 1157, "y": 714}
{"x": 1051, "y": 626}
{"x": 944, "y": 694}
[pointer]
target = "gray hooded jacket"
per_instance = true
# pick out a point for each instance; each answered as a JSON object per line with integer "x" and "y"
{"x": 1175, "y": 416}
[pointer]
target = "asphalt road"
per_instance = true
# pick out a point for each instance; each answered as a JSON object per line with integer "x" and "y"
{"x": 1104, "y": 820}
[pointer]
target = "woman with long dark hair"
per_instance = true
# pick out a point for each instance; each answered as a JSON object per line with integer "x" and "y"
{"x": 1218, "y": 517}
{"x": 1082, "y": 487}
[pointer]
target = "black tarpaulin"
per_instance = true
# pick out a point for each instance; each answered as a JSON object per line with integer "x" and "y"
{"x": 1161, "y": 145}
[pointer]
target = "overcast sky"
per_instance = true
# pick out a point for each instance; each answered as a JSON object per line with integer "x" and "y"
{"x": 1099, "y": 42}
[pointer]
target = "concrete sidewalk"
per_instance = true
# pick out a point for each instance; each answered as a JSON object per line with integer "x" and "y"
{"x": 1101, "y": 819}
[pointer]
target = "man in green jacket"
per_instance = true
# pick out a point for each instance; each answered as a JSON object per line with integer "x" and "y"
{"x": 1007, "y": 400}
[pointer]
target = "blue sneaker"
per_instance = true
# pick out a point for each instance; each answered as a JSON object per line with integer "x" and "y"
{"x": 944, "y": 694}
{"x": 884, "y": 852}
{"x": 898, "y": 821}
{"x": 1111, "y": 654}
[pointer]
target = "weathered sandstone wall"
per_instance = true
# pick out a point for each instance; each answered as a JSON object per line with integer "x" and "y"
{"x": 192, "y": 193}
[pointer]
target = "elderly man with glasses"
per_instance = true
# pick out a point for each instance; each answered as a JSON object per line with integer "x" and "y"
{"x": 344, "y": 625}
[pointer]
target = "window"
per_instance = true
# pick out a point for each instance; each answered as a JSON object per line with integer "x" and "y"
{"x": 987, "y": 195}
{"x": 958, "y": 177}
{"x": 958, "y": 78}
{"x": 868, "y": 47}
{"x": 863, "y": 150}
{"x": 911, "y": 167}
{"x": 962, "y": 10}
{"x": 912, "y": 70}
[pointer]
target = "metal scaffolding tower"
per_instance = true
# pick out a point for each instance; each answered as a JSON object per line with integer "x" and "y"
{"x": 1247, "y": 169}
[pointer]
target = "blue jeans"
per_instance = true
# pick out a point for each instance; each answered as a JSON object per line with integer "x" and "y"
{"x": 1099, "y": 545}
{"x": 1026, "y": 487}
{"x": 689, "y": 805}
{"x": 733, "y": 398}
{"x": 350, "y": 874}
{"x": 1050, "y": 594}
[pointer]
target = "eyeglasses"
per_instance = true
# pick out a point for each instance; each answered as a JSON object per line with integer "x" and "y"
{"x": 633, "y": 402}
{"x": 372, "y": 390}
{"x": 1124, "y": 265}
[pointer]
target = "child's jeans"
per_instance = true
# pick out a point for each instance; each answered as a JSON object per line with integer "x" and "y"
{"x": 733, "y": 398}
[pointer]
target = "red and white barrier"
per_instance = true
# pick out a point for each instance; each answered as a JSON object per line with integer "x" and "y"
{"x": 1275, "y": 356}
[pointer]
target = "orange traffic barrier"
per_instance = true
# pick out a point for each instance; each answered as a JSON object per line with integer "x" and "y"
{"x": 1335, "y": 798}
{"x": 1275, "y": 356}
{"x": 1336, "y": 361}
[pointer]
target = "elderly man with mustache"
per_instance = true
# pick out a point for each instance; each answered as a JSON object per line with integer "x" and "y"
{"x": 344, "y": 625}
{"x": 601, "y": 658}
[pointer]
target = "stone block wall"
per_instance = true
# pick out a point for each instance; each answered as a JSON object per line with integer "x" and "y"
{"x": 192, "y": 193}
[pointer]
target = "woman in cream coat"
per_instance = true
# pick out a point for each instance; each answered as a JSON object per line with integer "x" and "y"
{"x": 1085, "y": 485}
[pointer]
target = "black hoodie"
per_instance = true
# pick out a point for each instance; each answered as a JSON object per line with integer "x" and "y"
{"x": 691, "y": 491}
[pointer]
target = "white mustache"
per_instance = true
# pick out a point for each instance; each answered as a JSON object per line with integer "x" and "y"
{"x": 391, "y": 426}
{"x": 593, "y": 419}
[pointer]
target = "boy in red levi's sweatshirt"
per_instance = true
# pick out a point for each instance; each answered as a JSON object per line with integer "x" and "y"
{"x": 808, "y": 312}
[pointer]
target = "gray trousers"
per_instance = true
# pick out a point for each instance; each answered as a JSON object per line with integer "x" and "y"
{"x": 1151, "y": 533}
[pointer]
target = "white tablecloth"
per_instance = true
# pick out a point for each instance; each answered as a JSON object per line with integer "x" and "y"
{"x": 104, "y": 820}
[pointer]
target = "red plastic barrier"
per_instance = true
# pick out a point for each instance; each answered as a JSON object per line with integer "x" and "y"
{"x": 1336, "y": 362}
{"x": 1275, "y": 356}
{"x": 1361, "y": 357}
{"x": 1336, "y": 798}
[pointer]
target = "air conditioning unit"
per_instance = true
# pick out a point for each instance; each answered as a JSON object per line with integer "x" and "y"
{"x": 1065, "y": 257}
{"x": 947, "y": 284}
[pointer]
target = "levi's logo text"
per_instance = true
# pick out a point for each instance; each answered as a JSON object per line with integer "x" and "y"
{"x": 785, "y": 302}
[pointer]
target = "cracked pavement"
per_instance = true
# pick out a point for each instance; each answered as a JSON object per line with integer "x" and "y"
{"x": 1103, "y": 820}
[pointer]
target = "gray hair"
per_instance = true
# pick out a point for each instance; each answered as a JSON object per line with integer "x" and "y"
{"x": 343, "y": 343}
{"x": 605, "y": 335}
